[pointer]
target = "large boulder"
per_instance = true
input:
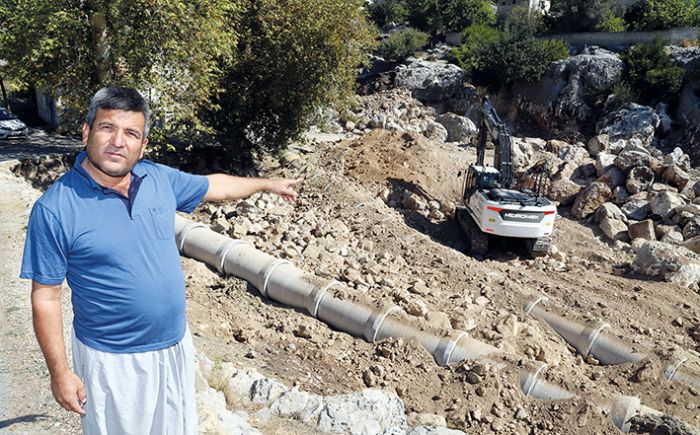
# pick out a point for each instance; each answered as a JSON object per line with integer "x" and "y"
{"x": 592, "y": 197}
{"x": 614, "y": 229}
{"x": 636, "y": 209}
{"x": 639, "y": 179}
{"x": 663, "y": 203}
{"x": 673, "y": 263}
{"x": 570, "y": 86}
{"x": 642, "y": 230}
{"x": 459, "y": 128}
{"x": 429, "y": 82}
{"x": 630, "y": 121}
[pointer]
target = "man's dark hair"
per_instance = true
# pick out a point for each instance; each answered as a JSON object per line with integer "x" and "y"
{"x": 118, "y": 98}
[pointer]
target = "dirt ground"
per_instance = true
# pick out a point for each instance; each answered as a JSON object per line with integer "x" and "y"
{"x": 588, "y": 280}
{"x": 359, "y": 182}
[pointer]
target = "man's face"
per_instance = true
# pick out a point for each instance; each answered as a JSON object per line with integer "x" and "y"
{"x": 115, "y": 142}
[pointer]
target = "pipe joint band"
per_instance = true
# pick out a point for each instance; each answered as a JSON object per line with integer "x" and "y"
{"x": 593, "y": 337}
{"x": 532, "y": 304}
{"x": 374, "y": 323}
{"x": 316, "y": 297}
{"x": 446, "y": 348}
{"x": 186, "y": 232}
{"x": 672, "y": 369}
{"x": 533, "y": 379}
{"x": 269, "y": 269}
{"x": 226, "y": 248}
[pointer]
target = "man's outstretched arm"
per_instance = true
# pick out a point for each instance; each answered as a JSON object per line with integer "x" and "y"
{"x": 66, "y": 387}
{"x": 224, "y": 187}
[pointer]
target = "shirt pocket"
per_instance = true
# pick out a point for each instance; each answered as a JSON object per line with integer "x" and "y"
{"x": 162, "y": 223}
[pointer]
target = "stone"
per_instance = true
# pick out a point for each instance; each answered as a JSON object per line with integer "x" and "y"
{"x": 459, "y": 128}
{"x": 432, "y": 430}
{"x": 628, "y": 159}
{"x": 368, "y": 411}
{"x": 573, "y": 153}
{"x": 299, "y": 405}
{"x": 693, "y": 244}
{"x": 555, "y": 146}
{"x": 673, "y": 263}
{"x": 678, "y": 158}
{"x": 435, "y": 131}
{"x": 429, "y": 81}
{"x": 563, "y": 190}
{"x": 663, "y": 203}
{"x": 614, "y": 229}
{"x": 620, "y": 195}
{"x": 613, "y": 177}
{"x": 630, "y": 121}
{"x": 588, "y": 201}
{"x": 691, "y": 229}
{"x": 603, "y": 162}
{"x": 216, "y": 419}
{"x": 673, "y": 238}
{"x": 610, "y": 211}
{"x": 639, "y": 179}
{"x": 423, "y": 419}
{"x": 636, "y": 209}
{"x": 416, "y": 307}
{"x": 598, "y": 144}
{"x": 643, "y": 230}
{"x": 676, "y": 176}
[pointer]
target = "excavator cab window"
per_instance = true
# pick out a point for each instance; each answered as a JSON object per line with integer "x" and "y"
{"x": 488, "y": 181}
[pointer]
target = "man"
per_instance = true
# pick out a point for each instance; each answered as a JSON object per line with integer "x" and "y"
{"x": 107, "y": 226}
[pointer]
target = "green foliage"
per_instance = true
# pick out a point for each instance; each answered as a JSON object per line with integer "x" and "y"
{"x": 664, "y": 14}
{"x": 293, "y": 57}
{"x": 460, "y": 14}
{"x": 651, "y": 73}
{"x": 478, "y": 41}
{"x": 75, "y": 47}
{"x": 403, "y": 43}
{"x": 384, "y": 12}
{"x": 611, "y": 23}
{"x": 500, "y": 58}
{"x": 520, "y": 22}
{"x": 620, "y": 94}
{"x": 570, "y": 16}
{"x": 425, "y": 14}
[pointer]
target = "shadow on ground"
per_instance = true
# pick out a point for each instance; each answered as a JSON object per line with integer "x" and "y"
{"x": 37, "y": 143}
{"x": 30, "y": 418}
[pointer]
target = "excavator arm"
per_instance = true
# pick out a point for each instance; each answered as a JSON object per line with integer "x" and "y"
{"x": 491, "y": 125}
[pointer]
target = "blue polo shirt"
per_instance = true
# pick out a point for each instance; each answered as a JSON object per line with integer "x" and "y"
{"x": 118, "y": 255}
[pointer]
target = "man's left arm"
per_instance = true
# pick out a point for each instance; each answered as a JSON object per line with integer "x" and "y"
{"x": 224, "y": 187}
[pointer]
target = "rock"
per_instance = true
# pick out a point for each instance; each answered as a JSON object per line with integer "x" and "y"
{"x": 673, "y": 238}
{"x": 639, "y": 179}
{"x": 573, "y": 153}
{"x": 610, "y": 211}
{"x": 663, "y": 203}
{"x": 422, "y": 419}
{"x": 588, "y": 201}
{"x": 603, "y": 162}
{"x": 555, "y": 146}
{"x": 693, "y": 244}
{"x": 369, "y": 411}
{"x": 563, "y": 190}
{"x": 613, "y": 177}
{"x": 691, "y": 228}
{"x": 435, "y": 131}
{"x": 675, "y": 176}
{"x": 643, "y": 230}
{"x": 598, "y": 144}
{"x": 216, "y": 419}
{"x": 416, "y": 307}
{"x": 628, "y": 159}
{"x": 220, "y": 225}
{"x": 266, "y": 390}
{"x": 620, "y": 195}
{"x": 614, "y": 229}
{"x": 299, "y": 405}
{"x": 521, "y": 155}
{"x": 674, "y": 263}
{"x": 413, "y": 202}
{"x": 566, "y": 90}
{"x": 429, "y": 81}
{"x": 678, "y": 158}
{"x": 636, "y": 209}
{"x": 432, "y": 430}
{"x": 459, "y": 128}
{"x": 630, "y": 121}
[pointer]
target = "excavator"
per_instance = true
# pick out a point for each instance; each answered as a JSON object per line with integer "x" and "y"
{"x": 491, "y": 206}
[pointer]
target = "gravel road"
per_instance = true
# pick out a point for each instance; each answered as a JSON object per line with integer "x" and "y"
{"x": 26, "y": 403}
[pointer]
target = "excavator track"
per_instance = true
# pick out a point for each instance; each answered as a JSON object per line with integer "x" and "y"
{"x": 478, "y": 240}
{"x": 538, "y": 247}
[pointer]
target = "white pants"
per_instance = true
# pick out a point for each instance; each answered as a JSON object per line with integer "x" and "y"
{"x": 138, "y": 393}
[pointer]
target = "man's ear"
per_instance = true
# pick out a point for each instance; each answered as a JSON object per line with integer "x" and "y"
{"x": 143, "y": 148}
{"x": 86, "y": 132}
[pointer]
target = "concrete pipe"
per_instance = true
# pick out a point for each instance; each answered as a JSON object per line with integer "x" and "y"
{"x": 588, "y": 340}
{"x": 328, "y": 301}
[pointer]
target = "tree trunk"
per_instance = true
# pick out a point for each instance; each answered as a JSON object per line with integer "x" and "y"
{"x": 97, "y": 15}
{"x": 4, "y": 94}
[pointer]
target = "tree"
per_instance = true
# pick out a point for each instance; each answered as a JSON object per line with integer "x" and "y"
{"x": 651, "y": 72}
{"x": 570, "y": 16}
{"x": 384, "y": 12}
{"x": 401, "y": 44}
{"x": 169, "y": 48}
{"x": 293, "y": 57}
{"x": 664, "y": 14}
{"x": 457, "y": 15}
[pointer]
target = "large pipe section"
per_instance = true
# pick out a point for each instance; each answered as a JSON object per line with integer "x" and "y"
{"x": 333, "y": 303}
{"x": 588, "y": 340}
{"x": 328, "y": 301}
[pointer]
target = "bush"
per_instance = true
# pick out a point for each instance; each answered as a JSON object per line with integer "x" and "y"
{"x": 293, "y": 57}
{"x": 612, "y": 23}
{"x": 663, "y": 14}
{"x": 478, "y": 41}
{"x": 403, "y": 43}
{"x": 570, "y": 16}
{"x": 385, "y": 12}
{"x": 651, "y": 73}
{"x": 457, "y": 15}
